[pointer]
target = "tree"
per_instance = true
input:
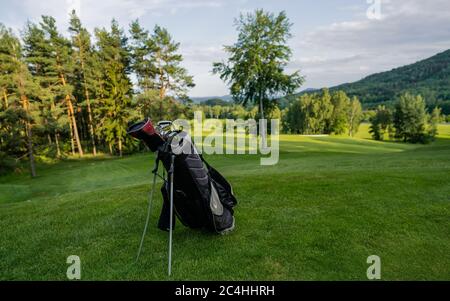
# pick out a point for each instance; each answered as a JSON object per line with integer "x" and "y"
{"x": 310, "y": 114}
{"x": 354, "y": 117}
{"x": 339, "y": 117}
{"x": 41, "y": 62}
{"x": 381, "y": 123}
{"x": 149, "y": 104}
{"x": 52, "y": 87}
{"x": 238, "y": 112}
{"x": 410, "y": 119}
{"x": 255, "y": 67}
{"x": 16, "y": 83}
{"x": 142, "y": 56}
{"x": 81, "y": 42}
{"x": 51, "y": 57}
{"x": 114, "y": 109}
{"x": 217, "y": 110}
{"x": 170, "y": 76}
{"x": 322, "y": 111}
{"x": 435, "y": 119}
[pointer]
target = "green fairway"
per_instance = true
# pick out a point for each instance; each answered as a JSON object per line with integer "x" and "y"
{"x": 318, "y": 214}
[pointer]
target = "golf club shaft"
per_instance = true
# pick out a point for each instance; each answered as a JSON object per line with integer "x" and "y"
{"x": 171, "y": 214}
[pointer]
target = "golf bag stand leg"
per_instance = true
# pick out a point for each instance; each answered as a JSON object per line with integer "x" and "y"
{"x": 150, "y": 201}
{"x": 172, "y": 169}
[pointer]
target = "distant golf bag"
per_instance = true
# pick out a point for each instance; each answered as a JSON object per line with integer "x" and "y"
{"x": 194, "y": 191}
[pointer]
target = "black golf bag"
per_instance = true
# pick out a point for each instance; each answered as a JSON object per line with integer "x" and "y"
{"x": 202, "y": 197}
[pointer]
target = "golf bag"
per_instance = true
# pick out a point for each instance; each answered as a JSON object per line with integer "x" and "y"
{"x": 202, "y": 197}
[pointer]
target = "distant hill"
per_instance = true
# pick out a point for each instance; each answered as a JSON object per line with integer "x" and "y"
{"x": 429, "y": 77}
{"x": 199, "y": 100}
{"x": 285, "y": 101}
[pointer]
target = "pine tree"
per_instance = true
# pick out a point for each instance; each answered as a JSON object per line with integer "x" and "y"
{"x": 114, "y": 110}
{"x": 16, "y": 84}
{"x": 170, "y": 76}
{"x": 81, "y": 43}
{"x": 64, "y": 68}
{"x": 41, "y": 61}
{"x": 142, "y": 56}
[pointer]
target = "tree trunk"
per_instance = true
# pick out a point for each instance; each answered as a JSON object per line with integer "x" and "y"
{"x": 351, "y": 124}
{"x": 263, "y": 131}
{"x": 110, "y": 148}
{"x": 28, "y": 132}
{"x": 90, "y": 123}
{"x": 120, "y": 147}
{"x": 88, "y": 101}
{"x": 162, "y": 88}
{"x": 5, "y": 98}
{"x": 162, "y": 91}
{"x": 74, "y": 125}
{"x": 72, "y": 145}
{"x": 29, "y": 138}
{"x": 74, "y": 122}
{"x": 58, "y": 150}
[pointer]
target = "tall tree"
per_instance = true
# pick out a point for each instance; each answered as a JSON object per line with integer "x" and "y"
{"x": 81, "y": 42}
{"x": 16, "y": 84}
{"x": 170, "y": 76}
{"x": 434, "y": 119}
{"x": 310, "y": 114}
{"x": 255, "y": 69}
{"x": 142, "y": 56}
{"x": 114, "y": 109}
{"x": 339, "y": 118}
{"x": 381, "y": 123}
{"x": 354, "y": 116}
{"x": 62, "y": 51}
{"x": 410, "y": 119}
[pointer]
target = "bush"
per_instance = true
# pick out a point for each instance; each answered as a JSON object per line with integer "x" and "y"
{"x": 381, "y": 123}
{"x": 410, "y": 120}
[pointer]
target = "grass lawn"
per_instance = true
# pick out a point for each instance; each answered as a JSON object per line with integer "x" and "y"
{"x": 317, "y": 215}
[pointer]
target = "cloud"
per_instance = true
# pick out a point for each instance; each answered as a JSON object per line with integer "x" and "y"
{"x": 95, "y": 13}
{"x": 410, "y": 30}
{"x": 336, "y": 52}
{"x": 198, "y": 60}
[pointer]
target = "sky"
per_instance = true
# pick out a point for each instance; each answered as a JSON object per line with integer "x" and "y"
{"x": 334, "y": 41}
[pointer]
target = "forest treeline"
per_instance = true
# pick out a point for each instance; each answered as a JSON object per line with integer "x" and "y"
{"x": 428, "y": 78}
{"x": 74, "y": 95}
{"x": 336, "y": 113}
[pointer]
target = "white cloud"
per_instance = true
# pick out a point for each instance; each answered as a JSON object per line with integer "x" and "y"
{"x": 339, "y": 52}
{"x": 410, "y": 30}
{"x": 96, "y": 13}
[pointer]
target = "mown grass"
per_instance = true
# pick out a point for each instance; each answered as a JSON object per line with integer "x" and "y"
{"x": 317, "y": 215}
